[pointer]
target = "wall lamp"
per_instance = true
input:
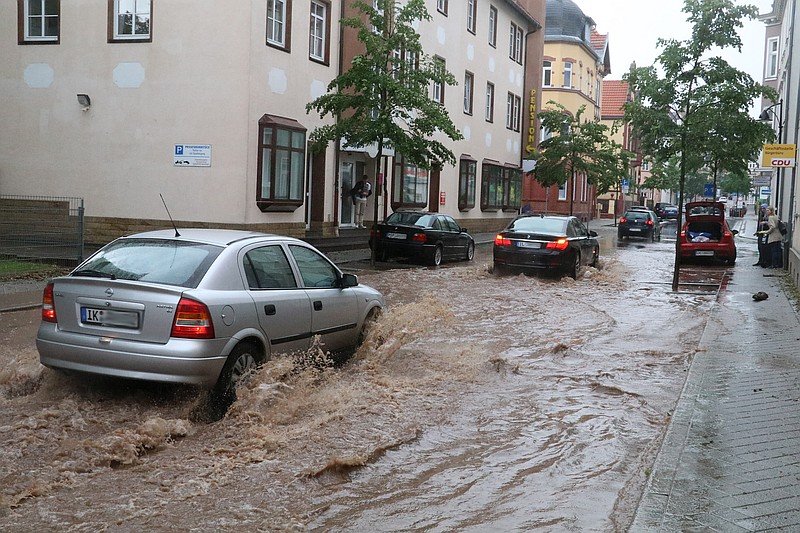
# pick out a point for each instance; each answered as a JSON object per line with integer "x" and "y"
{"x": 85, "y": 101}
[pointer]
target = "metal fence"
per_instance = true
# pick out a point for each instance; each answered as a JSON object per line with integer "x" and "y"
{"x": 41, "y": 228}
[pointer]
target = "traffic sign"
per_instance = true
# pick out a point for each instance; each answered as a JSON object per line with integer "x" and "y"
{"x": 708, "y": 190}
{"x": 779, "y": 155}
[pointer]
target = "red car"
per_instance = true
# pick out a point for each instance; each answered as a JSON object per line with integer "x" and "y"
{"x": 706, "y": 234}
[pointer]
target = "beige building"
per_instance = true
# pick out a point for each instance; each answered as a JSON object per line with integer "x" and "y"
{"x": 576, "y": 58}
{"x": 116, "y": 102}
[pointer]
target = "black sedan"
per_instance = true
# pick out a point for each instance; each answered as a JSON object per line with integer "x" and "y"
{"x": 418, "y": 235}
{"x": 550, "y": 243}
{"x": 639, "y": 223}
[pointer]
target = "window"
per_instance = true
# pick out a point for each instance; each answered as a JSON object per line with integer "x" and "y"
{"x": 410, "y": 185}
{"x": 513, "y": 112}
{"x": 493, "y": 26}
{"x": 489, "y": 102}
{"x": 772, "y": 58}
{"x": 501, "y": 187}
{"x": 562, "y": 191}
{"x": 438, "y": 85}
{"x": 568, "y": 74}
{"x": 547, "y": 74}
{"x": 278, "y": 28}
{"x": 469, "y": 82}
{"x": 319, "y": 31}
{"x": 441, "y": 6}
{"x": 515, "y": 43}
{"x": 316, "y": 271}
{"x": 268, "y": 268}
{"x": 471, "y": 12}
{"x": 281, "y": 164}
{"x": 39, "y": 21}
{"x": 467, "y": 172}
{"x": 131, "y": 20}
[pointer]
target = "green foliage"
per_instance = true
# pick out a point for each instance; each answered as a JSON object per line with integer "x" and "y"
{"x": 736, "y": 182}
{"x": 577, "y": 147}
{"x": 384, "y": 93}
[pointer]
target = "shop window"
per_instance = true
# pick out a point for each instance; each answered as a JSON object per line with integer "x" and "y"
{"x": 467, "y": 176}
{"x": 410, "y": 185}
{"x": 501, "y": 187}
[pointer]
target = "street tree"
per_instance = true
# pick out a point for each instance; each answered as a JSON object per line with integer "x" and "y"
{"x": 384, "y": 97}
{"x": 578, "y": 146}
{"x": 689, "y": 90}
{"x": 736, "y": 182}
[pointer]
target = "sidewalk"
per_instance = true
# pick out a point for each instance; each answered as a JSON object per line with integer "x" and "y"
{"x": 730, "y": 460}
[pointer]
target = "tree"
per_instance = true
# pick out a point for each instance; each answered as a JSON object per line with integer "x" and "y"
{"x": 695, "y": 102}
{"x": 383, "y": 98}
{"x": 736, "y": 182}
{"x": 578, "y": 146}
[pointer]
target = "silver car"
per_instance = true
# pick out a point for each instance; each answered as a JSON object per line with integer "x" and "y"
{"x": 201, "y": 307}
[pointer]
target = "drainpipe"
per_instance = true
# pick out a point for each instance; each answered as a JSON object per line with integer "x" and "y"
{"x": 790, "y": 217}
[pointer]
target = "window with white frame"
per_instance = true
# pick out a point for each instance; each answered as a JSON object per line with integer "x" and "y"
{"x": 515, "y": 43}
{"x": 438, "y": 84}
{"x": 471, "y": 12}
{"x": 568, "y": 74}
{"x": 441, "y": 6}
{"x": 493, "y": 26}
{"x": 132, "y": 20}
{"x": 278, "y": 31}
{"x": 39, "y": 21}
{"x": 489, "y": 102}
{"x": 318, "y": 34}
{"x": 562, "y": 191}
{"x": 772, "y": 58}
{"x": 469, "y": 82}
{"x": 513, "y": 111}
{"x": 547, "y": 74}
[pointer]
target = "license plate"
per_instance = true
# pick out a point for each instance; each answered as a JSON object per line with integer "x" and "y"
{"x": 704, "y": 253}
{"x": 391, "y": 235}
{"x": 635, "y": 229}
{"x": 109, "y": 317}
{"x": 526, "y": 244}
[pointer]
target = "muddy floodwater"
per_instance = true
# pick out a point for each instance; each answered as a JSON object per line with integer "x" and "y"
{"x": 478, "y": 403}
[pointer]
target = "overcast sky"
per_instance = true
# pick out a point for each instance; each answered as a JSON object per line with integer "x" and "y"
{"x": 635, "y": 25}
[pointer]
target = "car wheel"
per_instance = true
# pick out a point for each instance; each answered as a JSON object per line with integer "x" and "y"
{"x": 243, "y": 359}
{"x": 499, "y": 269}
{"x": 382, "y": 255}
{"x": 653, "y": 236}
{"x": 371, "y": 318}
{"x": 470, "y": 251}
{"x": 595, "y": 257}
{"x": 575, "y": 270}
{"x": 620, "y": 236}
{"x": 436, "y": 257}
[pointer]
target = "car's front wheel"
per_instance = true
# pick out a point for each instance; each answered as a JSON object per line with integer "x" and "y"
{"x": 595, "y": 257}
{"x": 470, "y": 252}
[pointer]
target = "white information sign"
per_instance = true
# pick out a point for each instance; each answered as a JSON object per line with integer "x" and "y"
{"x": 192, "y": 155}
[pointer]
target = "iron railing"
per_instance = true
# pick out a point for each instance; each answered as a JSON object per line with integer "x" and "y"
{"x": 41, "y": 228}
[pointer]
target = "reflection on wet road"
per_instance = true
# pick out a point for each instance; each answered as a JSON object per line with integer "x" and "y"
{"x": 478, "y": 403}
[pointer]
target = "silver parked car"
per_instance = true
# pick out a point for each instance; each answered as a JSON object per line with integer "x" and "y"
{"x": 200, "y": 307}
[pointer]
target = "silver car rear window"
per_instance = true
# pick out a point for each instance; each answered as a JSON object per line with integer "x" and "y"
{"x": 154, "y": 260}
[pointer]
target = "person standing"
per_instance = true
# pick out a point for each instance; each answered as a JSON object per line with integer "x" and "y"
{"x": 774, "y": 239}
{"x": 764, "y": 257}
{"x": 360, "y": 192}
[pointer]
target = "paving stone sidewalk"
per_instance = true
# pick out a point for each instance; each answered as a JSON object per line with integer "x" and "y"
{"x": 730, "y": 460}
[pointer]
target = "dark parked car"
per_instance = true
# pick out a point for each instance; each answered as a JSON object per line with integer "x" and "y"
{"x": 639, "y": 223}
{"x": 539, "y": 242}
{"x": 201, "y": 307}
{"x": 666, "y": 211}
{"x": 427, "y": 237}
{"x": 706, "y": 234}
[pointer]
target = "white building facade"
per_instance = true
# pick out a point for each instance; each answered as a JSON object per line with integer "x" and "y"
{"x": 209, "y": 111}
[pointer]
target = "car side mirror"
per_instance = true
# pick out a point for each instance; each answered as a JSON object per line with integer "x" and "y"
{"x": 349, "y": 280}
{"x": 592, "y": 234}
{"x": 464, "y": 230}
{"x": 735, "y": 231}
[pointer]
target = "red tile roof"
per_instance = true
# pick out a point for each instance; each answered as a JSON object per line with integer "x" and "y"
{"x": 614, "y": 97}
{"x": 599, "y": 41}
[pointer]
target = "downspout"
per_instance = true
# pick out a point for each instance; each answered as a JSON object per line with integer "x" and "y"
{"x": 790, "y": 217}
{"x": 336, "y": 150}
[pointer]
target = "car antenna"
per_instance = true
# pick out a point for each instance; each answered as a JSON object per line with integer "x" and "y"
{"x": 169, "y": 215}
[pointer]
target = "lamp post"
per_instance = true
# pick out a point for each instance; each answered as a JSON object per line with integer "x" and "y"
{"x": 769, "y": 114}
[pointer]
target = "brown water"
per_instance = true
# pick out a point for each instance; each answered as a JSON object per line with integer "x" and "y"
{"x": 478, "y": 403}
